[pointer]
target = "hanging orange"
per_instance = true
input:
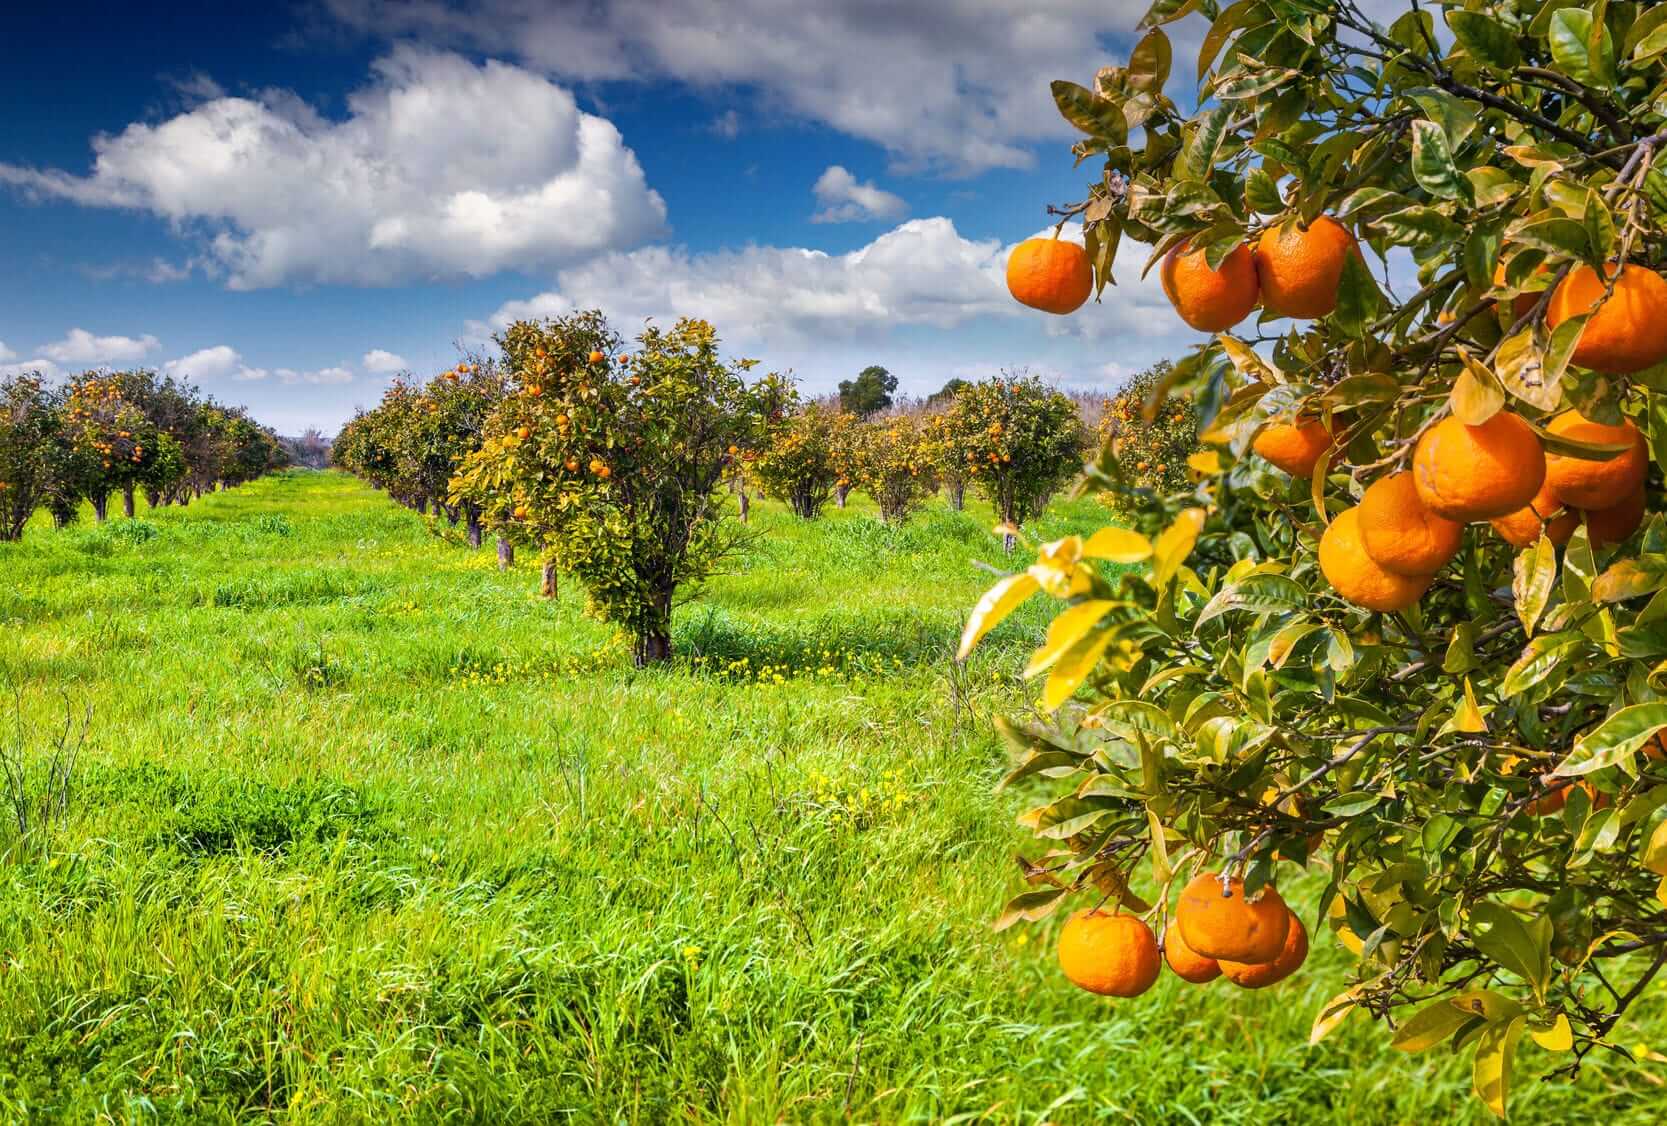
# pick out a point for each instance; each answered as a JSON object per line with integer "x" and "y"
{"x": 1628, "y": 331}
{"x": 1300, "y": 271}
{"x": 1210, "y": 300}
{"x": 1050, "y": 274}
{"x": 1470, "y": 473}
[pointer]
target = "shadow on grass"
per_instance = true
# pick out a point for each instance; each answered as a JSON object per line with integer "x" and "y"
{"x": 836, "y": 641}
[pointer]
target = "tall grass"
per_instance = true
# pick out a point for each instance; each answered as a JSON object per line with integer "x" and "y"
{"x": 366, "y": 831}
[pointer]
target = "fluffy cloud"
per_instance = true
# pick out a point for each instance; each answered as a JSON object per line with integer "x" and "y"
{"x": 441, "y": 168}
{"x": 6, "y": 353}
{"x": 844, "y": 199}
{"x": 336, "y": 374}
{"x": 384, "y": 363}
{"x": 920, "y": 273}
{"x": 45, "y": 368}
{"x": 222, "y": 361}
{"x": 82, "y": 347}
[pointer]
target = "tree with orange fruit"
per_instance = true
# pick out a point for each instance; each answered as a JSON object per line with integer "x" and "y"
{"x": 1404, "y": 625}
{"x": 1021, "y": 441}
{"x": 613, "y": 462}
{"x": 894, "y": 465}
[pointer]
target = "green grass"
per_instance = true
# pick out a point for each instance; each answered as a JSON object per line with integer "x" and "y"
{"x": 365, "y": 831}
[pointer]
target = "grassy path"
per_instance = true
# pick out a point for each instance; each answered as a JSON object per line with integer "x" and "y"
{"x": 364, "y": 831}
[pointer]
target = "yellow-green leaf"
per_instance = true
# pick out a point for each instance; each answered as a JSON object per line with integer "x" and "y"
{"x": 1331, "y": 1014}
{"x": 1559, "y": 1037}
{"x": 998, "y": 602}
{"x": 1429, "y": 1027}
{"x": 1174, "y": 544}
{"x": 1495, "y": 1053}
{"x": 1117, "y": 545}
{"x": 1477, "y": 395}
{"x": 1066, "y": 630}
{"x": 1073, "y": 668}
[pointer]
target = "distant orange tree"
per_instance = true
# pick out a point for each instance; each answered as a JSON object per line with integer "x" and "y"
{"x": 1153, "y": 451}
{"x": 1021, "y": 441}
{"x": 797, "y": 463}
{"x": 894, "y": 465}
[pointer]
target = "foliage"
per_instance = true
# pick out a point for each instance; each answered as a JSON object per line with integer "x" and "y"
{"x": 869, "y": 393}
{"x": 29, "y": 423}
{"x": 797, "y": 463}
{"x": 614, "y": 462}
{"x": 947, "y": 392}
{"x": 1234, "y": 706}
{"x": 1152, "y": 452}
{"x": 1021, "y": 442}
{"x": 950, "y": 464}
{"x": 894, "y": 466}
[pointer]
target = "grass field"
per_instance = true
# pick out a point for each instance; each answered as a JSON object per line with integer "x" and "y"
{"x": 364, "y": 831}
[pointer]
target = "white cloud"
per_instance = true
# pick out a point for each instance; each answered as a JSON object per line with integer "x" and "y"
{"x": 383, "y": 362}
{"x": 845, "y": 199}
{"x": 82, "y": 347}
{"x": 6, "y": 353}
{"x": 323, "y": 375}
{"x": 222, "y": 361}
{"x": 44, "y": 368}
{"x": 958, "y": 85}
{"x": 441, "y": 168}
{"x": 920, "y": 273}
{"x": 727, "y": 125}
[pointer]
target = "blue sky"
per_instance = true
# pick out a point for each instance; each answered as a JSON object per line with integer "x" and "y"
{"x": 292, "y": 205}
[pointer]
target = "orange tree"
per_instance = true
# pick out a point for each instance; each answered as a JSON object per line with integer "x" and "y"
{"x": 1021, "y": 441}
{"x": 29, "y": 428}
{"x": 796, "y": 463}
{"x": 1152, "y": 451}
{"x": 613, "y": 462}
{"x": 1409, "y": 620}
{"x": 893, "y": 463}
{"x": 844, "y": 445}
{"x": 114, "y": 446}
{"x": 950, "y": 463}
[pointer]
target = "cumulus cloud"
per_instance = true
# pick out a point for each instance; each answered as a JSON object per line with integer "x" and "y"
{"x": 845, "y": 199}
{"x": 921, "y": 273}
{"x": 338, "y": 374}
{"x": 44, "y": 368}
{"x": 441, "y": 168}
{"x": 82, "y": 347}
{"x": 383, "y": 362}
{"x": 222, "y": 361}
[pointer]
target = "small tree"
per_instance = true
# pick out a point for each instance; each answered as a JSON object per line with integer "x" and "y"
{"x": 116, "y": 446}
{"x": 615, "y": 462}
{"x": 1153, "y": 451}
{"x": 894, "y": 466}
{"x": 797, "y": 464}
{"x": 950, "y": 463}
{"x": 29, "y": 425}
{"x": 1022, "y": 443}
{"x": 844, "y": 449}
{"x": 945, "y": 394}
{"x": 869, "y": 393}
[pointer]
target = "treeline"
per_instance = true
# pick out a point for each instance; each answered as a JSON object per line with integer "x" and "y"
{"x": 102, "y": 435}
{"x": 613, "y": 464}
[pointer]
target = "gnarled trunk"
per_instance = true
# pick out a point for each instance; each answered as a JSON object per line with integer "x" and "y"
{"x": 547, "y": 581}
{"x": 652, "y": 648}
{"x": 958, "y": 496}
{"x": 127, "y": 502}
{"x": 101, "y": 506}
{"x": 506, "y": 554}
{"x": 473, "y": 526}
{"x": 746, "y": 505}
{"x": 421, "y": 506}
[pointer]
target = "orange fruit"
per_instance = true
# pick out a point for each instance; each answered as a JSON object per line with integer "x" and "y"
{"x": 1626, "y": 332}
{"x": 596, "y": 357}
{"x": 1112, "y": 955}
{"x": 1470, "y": 473}
{"x": 1295, "y": 449}
{"x": 1050, "y": 274}
{"x": 1357, "y": 577}
{"x": 1596, "y": 484}
{"x": 1259, "y": 975}
{"x": 1188, "y": 964}
{"x": 1227, "y": 926}
{"x": 1556, "y": 796}
{"x": 1400, "y": 534}
{"x": 524, "y": 433}
{"x": 1300, "y": 271}
{"x": 1210, "y": 300}
{"x": 1613, "y": 524}
{"x": 1545, "y": 513}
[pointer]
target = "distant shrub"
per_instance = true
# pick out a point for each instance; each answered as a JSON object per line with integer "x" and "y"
{"x": 894, "y": 466}
{"x": 797, "y": 465}
{"x": 1153, "y": 453}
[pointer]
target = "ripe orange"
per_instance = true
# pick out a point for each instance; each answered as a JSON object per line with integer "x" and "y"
{"x": 1626, "y": 333}
{"x": 1050, "y": 274}
{"x": 1612, "y": 525}
{"x": 1226, "y": 926}
{"x": 1113, "y": 955}
{"x": 1300, "y": 271}
{"x": 1357, "y": 577}
{"x": 1556, "y": 796}
{"x": 1188, "y": 964}
{"x": 1400, "y": 534}
{"x": 1295, "y": 449}
{"x": 1545, "y": 513}
{"x": 1210, "y": 300}
{"x": 1596, "y": 484}
{"x": 524, "y": 433}
{"x": 1258, "y": 975}
{"x": 1470, "y": 473}
{"x": 596, "y": 357}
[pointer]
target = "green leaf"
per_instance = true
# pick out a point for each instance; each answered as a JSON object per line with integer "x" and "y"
{"x": 1541, "y": 657}
{"x": 1135, "y": 719}
{"x": 1433, "y": 166}
{"x": 1030, "y": 907}
{"x": 1241, "y": 83}
{"x": 1150, "y": 62}
{"x": 1418, "y": 227}
{"x": 1534, "y": 574}
{"x": 1566, "y": 237}
{"x": 1069, "y": 816}
{"x": 1261, "y": 193}
{"x": 1166, "y": 11}
{"x": 1428, "y": 1027}
{"x": 1495, "y": 1054}
{"x": 1571, "y": 34}
{"x": 1198, "y": 155}
{"x": 1626, "y": 579}
{"x": 1614, "y": 739}
{"x": 1221, "y": 30}
{"x": 1504, "y": 938}
{"x": 1358, "y": 298}
{"x": 1487, "y": 40}
{"x": 1648, "y": 37}
{"x": 1259, "y": 594}
{"x": 1520, "y": 365}
{"x": 1094, "y": 115}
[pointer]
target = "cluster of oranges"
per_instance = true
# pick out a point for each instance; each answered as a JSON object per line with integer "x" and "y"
{"x": 1217, "y": 932}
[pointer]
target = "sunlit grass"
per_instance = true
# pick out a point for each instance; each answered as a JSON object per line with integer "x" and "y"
{"x": 366, "y": 831}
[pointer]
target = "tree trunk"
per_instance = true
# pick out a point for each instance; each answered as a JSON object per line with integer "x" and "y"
{"x": 452, "y": 516}
{"x": 422, "y": 506}
{"x": 652, "y": 648}
{"x": 547, "y": 581}
{"x": 127, "y": 502}
{"x": 101, "y": 506}
{"x": 958, "y": 496}
{"x": 840, "y": 493}
{"x": 474, "y": 527}
{"x": 506, "y": 554}
{"x": 746, "y": 505}
{"x": 153, "y": 497}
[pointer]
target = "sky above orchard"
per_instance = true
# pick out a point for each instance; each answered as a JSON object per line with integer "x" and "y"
{"x": 291, "y": 203}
